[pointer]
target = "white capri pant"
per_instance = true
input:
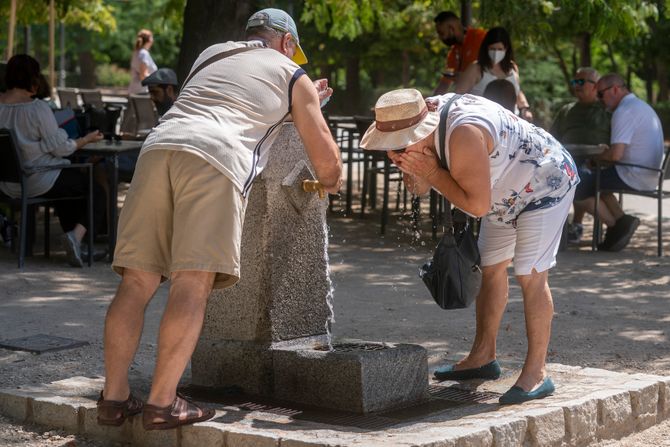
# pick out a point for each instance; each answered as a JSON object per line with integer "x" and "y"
{"x": 534, "y": 242}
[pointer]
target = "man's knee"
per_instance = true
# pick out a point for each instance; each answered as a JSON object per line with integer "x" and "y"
{"x": 147, "y": 281}
{"x": 195, "y": 281}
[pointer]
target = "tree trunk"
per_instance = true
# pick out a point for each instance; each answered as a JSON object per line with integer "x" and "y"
{"x": 466, "y": 12}
{"x": 87, "y": 70}
{"x": 662, "y": 76}
{"x": 405, "y": 68}
{"x": 207, "y": 22}
{"x": 561, "y": 63}
{"x": 585, "y": 49}
{"x": 353, "y": 88}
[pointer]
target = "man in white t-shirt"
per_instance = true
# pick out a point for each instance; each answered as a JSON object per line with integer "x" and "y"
{"x": 636, "y": 138}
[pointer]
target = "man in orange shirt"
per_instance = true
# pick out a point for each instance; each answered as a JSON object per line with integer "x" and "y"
{"x": 464, "y": 43}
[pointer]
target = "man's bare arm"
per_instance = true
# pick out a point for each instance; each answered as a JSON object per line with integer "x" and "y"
{"x": 322, "y": 151}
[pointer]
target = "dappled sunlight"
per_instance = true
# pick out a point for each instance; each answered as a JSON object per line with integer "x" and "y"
{"x": 50, "y": 299}
{"x": 657, "y": 336}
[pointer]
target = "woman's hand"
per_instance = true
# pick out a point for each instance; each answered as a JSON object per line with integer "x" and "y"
{"x": 91, "y": 137}
{"x": 94, "y": 136}
{"x": 526, "y": 114}
{"x": 431, "y": 105}
{"x": 417, "y": 161}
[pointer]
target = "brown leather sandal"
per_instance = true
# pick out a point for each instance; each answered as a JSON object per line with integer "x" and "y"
{"x": 115, "y": 412}
{"x": 181, "y": 412}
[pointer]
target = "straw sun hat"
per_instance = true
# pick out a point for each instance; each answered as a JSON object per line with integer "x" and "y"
{"x": 401, "y": 119}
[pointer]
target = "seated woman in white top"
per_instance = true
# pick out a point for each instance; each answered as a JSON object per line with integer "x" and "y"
{"x": 42, "y": 143}
{"x": 495, "y": 61}
{"x": 141, "y": 63}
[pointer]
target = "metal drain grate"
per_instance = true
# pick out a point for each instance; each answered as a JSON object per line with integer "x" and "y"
{"x": 40, "y": 343}
{"x": 460, "y": 395}
{"x": 352, "y": 347}
{"x": 255, "y": 406}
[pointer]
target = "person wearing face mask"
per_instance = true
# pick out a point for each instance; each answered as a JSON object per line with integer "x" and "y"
{"x": 495, "y": 61}
{"x": 463, "y": 43}
{"x": 163, "y": 89}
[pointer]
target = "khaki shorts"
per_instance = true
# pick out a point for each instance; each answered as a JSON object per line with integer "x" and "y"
{"x": 180, "y": 214}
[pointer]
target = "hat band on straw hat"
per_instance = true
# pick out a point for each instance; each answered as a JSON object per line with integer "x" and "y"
{"x": 392, "y": 126}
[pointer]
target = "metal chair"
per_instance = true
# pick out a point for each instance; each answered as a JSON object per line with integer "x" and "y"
{"x": 12, "y": 170}
{"x": 68, "y": 98}
{"x": 659, "y": 194}
{"x": 92, "y": 98}
{"x": 140, "y": 117}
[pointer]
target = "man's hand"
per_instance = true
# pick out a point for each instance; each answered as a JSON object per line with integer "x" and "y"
{"x": 322, "y": 89}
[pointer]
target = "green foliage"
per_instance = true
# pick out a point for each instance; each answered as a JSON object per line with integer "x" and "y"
{"x": 162, "y": 17}
{"x": 552, "y": 21}
{"x": 94, "y": 15}
{"x": 112, "y": 76}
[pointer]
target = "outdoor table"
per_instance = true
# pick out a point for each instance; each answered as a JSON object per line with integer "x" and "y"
{"x": 111, "y": 151}
{"x": 581, "y": 152}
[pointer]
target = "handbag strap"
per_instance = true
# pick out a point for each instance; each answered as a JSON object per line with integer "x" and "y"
{"x": 215, "y": 58}
{"x": 442, "y": 132}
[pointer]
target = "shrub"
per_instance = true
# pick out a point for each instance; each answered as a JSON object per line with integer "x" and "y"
{"x": 111, "y": 75}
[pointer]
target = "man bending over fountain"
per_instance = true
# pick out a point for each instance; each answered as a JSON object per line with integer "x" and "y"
{"x": 183, "y": 215}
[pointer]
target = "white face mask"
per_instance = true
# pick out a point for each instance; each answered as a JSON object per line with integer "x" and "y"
{"x": 497, "y": 55}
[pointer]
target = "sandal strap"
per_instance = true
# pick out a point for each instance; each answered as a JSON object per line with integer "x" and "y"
{"x": 118, "y": 409}
{"x": 181, "y": 408}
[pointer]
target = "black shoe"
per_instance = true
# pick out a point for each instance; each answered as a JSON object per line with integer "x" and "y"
{"x": 626, "y": 226}
{"x": 98, "y": 253}
{"x": 610, "y": 238}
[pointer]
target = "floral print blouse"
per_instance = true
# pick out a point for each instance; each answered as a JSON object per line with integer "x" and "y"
{"x": 530, "y": 170}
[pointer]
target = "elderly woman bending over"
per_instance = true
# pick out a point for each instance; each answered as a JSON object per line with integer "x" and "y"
{"x": 515, "y": 176}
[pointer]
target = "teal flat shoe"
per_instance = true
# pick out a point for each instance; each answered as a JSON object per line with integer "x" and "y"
{"x": 517, "y": 395}
{"x": 490, "y": 371}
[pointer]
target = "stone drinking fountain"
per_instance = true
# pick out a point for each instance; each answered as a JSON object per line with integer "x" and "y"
{"x": 269, "y": 335}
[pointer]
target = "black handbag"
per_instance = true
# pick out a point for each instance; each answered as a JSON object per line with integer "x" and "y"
{"x": 453, "y": 276}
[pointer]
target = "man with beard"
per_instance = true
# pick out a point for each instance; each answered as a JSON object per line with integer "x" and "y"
{"x": 464, "y": 46}
{"x": 163, "y": 88}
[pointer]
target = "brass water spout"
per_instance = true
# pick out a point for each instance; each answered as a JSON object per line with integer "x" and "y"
{"x": 314, "y": 186}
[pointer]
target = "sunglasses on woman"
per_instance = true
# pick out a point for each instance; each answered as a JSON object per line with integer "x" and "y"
{"x": 580, "y": 82}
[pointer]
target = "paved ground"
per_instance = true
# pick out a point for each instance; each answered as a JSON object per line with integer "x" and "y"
{"x": 611, "y": 312}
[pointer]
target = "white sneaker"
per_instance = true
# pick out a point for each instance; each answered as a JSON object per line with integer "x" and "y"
{"x": 72, "y": 250}
{"x": 575, "y": 233}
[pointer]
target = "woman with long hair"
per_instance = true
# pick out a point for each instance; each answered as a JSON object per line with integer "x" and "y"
{"x": 495, "y": 61}
{"x": 141, "y": 63}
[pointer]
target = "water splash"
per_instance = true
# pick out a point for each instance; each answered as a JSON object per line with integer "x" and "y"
{"x": 331, "y": 289}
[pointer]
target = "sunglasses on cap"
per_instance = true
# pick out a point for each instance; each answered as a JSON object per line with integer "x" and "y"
{"x": 580, "y": 82}
{"x": 601, "y": 93}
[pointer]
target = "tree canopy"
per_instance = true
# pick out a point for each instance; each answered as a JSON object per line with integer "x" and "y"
{"x": 366, "y": 47}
